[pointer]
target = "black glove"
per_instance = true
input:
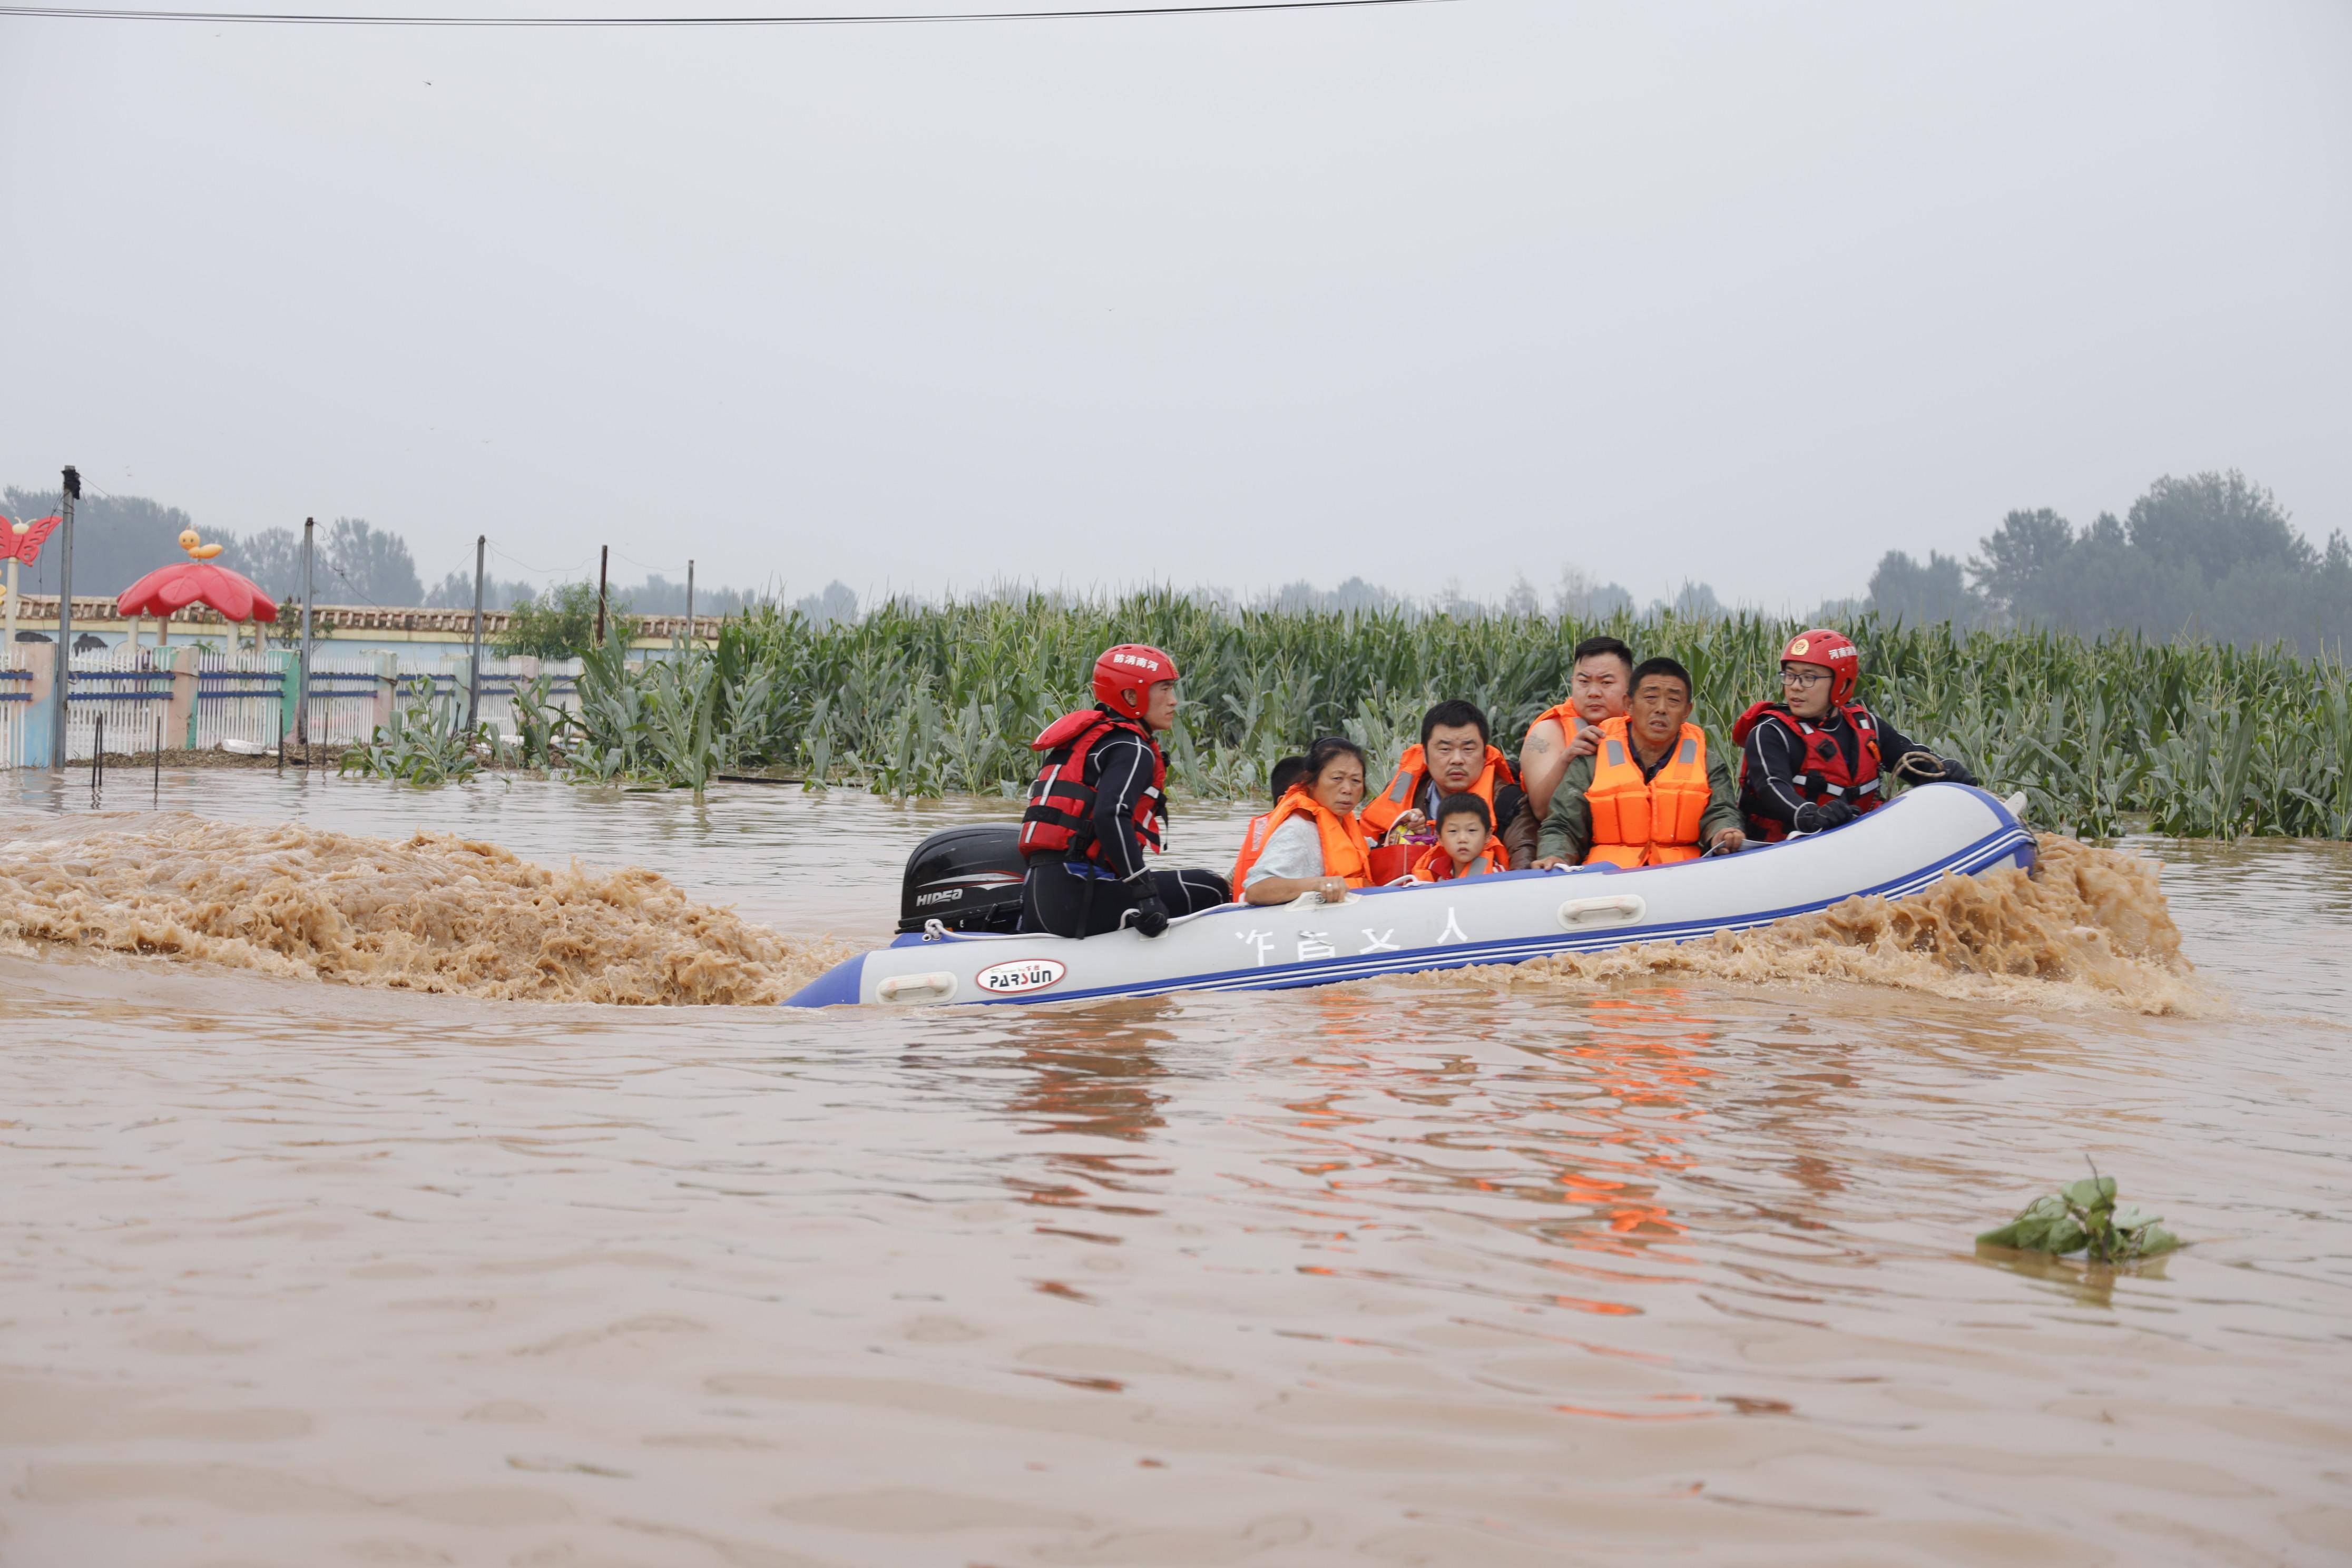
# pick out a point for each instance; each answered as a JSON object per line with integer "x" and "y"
{"x": 1956, "y": 771}
{"x": 1817, "y": 818}
{"x": 1150, "y": 916}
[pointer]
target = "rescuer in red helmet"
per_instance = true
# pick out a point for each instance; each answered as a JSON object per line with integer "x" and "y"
{"x": 1814, "y": 760}
{"x": 1100, "y": 804}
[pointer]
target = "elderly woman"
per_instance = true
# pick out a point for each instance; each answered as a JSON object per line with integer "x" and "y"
{"x": 1314, "y": 843}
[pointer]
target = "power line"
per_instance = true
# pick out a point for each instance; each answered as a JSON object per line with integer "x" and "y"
{"x": 320, "y": 19}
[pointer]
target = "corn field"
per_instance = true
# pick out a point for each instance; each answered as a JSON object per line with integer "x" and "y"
{"x": 2188, "y": 739}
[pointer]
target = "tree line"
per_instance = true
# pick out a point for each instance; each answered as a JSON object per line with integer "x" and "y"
{"x": 2211, "y": 556}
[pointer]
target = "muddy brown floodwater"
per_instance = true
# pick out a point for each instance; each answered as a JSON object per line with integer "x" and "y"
{"x": 1666, "y": 1257}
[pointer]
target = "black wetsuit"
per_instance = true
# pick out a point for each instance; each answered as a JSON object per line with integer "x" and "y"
{"x": 1774, "y": 754}
{"x": 1070, "y": 895}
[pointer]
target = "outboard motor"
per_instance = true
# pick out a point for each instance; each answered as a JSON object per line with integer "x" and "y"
{"x": 967, "y": 879}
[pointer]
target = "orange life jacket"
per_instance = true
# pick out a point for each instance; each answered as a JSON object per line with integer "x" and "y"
{"x": 1381, "y": 812}
{"x": 1253, "y": 846}
{"x": 1436, "y": 865}
{"x": 1345, "y": 852}
{"x": 1646, "y": 822}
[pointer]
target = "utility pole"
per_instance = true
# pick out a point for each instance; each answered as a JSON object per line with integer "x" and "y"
{"x": 603, "y": 559}
{"x": 473, "y": 697}
{"x": 690, "y": 606}
{"x": 302, "y": 680}
{"x": 64, "y": 665}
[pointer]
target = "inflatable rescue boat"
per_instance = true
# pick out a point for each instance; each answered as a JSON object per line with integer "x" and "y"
{"x": 1896, "y": 852}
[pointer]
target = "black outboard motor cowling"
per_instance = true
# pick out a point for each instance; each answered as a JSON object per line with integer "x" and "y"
{"x": 967, "y": 879}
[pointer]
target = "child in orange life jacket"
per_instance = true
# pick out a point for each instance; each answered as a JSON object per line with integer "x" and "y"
{"x": 1466, "y": 845}
{"x": 1287, "y": 772}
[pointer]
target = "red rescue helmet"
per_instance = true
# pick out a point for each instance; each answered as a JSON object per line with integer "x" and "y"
{"x": 1833, "y": 652}
{"x": 1123, "y": 674}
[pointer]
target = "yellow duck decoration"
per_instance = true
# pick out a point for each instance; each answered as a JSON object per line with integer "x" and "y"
{"x": 198, "y": 550}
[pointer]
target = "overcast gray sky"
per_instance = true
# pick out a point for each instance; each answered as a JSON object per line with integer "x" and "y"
{"x": 1745, "y": 293}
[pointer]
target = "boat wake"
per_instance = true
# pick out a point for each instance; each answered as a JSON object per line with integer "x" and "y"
{"x": 434, "y": 913}
{"x": 2090, "y": 930}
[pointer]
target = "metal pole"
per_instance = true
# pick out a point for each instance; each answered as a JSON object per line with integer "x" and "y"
{"x": 690, "y": 606}
{"x": 65, "y": 619}
{"x": 302, "y": 674}
{"x": 159, "y": 762}
{"x": 473, "y": 697}
{"x": 12, "y": 607}
{"x": 603, "y": 559}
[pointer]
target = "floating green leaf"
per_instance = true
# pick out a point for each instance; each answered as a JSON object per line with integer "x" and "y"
{"x": 2082, "y": 1216}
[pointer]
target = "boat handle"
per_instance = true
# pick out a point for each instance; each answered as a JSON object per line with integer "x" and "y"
{"x": 1617, "y": 909}
{"x": 939, "y": 986}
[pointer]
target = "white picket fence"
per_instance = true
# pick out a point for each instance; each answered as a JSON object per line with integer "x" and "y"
{"x": 343, "y": 704}
{"x": 245, "y": 696}
{"x": 349, "y": 698}
{"x": 239, "y": 697}
{"x": 118, "y": 696}
{"x": 15, "y": 709}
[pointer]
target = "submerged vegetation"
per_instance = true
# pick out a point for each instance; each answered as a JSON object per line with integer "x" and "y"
{"x": 2082, "y": 1216}
{"x": 428, "y": 741}
{"x": 2193, "y": 738}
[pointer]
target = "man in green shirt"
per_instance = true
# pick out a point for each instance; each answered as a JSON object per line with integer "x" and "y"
{"x": 1650, "y": 737}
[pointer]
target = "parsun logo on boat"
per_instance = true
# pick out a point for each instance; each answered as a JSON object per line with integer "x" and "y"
{"x": 1021, "y": 975}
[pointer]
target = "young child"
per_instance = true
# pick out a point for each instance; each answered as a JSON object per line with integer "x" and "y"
{"x": 1466, "y": 845}
{"x": 1287, "y": 772}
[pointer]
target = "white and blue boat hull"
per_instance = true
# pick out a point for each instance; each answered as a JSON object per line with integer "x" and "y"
{"x": 1897, "y": 852}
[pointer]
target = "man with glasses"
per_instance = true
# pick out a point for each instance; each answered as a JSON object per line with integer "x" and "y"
{"x": 1813, "y": 761}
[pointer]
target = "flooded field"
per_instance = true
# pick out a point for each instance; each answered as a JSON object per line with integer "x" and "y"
{"x": 1663, "y": 1258}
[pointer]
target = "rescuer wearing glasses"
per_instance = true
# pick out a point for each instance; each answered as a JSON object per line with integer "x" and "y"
{"x": 1813, "y": 760}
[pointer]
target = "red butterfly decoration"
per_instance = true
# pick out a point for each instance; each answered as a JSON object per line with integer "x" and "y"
{"x": 26, "y": 546}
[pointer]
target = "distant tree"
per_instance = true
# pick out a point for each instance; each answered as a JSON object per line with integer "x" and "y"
{"x": 1693, "y": 601}
{"x": 2215, "y": 524}
{"x": 1578, "y": 596}
{"x": 1355, "y": 593}
{"x": 271, "y": 557}
{"x": 1521, "y": 600}
{"x": 562, "y": 622}
{"x": 456, "y": 592}
{"x": 367, "y": 565}
{"x": 657, "y": 595}
{"x": 1902, "y": 589}
{"x": 2210, "y": 556}
{"x": 834, "y": 603}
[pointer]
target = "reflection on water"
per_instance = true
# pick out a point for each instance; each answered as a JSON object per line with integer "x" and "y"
{"x": 1647, "y": 1265}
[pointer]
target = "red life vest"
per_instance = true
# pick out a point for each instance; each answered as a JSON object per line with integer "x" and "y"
{"x": 1061, "y": 812}
{"x": 1824, "y": 776}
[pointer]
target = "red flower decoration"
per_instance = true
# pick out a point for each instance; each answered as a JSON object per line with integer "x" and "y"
{"x": 186, "y": 583}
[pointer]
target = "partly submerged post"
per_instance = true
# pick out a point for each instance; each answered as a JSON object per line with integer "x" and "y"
{"x": 302, "y": 678}
{"x": 473, "y": 676}
{"x": 63, "y": 681}
{"x": 603, "y": 559}
{"x": 690, "y": 606}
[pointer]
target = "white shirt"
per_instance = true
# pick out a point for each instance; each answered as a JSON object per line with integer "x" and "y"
{"x": 1294, "y": 849}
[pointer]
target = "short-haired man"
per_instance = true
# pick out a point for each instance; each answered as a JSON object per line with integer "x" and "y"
{"x": 1600, "y": 680}
{"x": 1456, "y": 756}
{"x": 1651, "y": 792}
